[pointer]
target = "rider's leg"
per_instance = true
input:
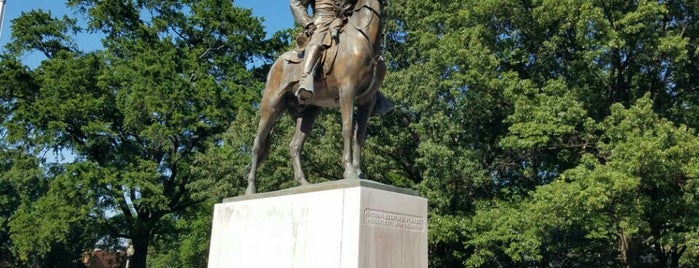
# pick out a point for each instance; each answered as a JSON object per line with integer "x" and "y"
{"x": 306, "y": 90}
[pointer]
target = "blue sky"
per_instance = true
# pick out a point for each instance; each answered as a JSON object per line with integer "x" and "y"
{"x": 275, "y": 13}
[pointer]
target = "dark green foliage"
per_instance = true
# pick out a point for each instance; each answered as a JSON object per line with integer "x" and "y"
{"x": 510, "y": 108}
{"x": 545, "y": 133}
{"x": 137, "y": 116}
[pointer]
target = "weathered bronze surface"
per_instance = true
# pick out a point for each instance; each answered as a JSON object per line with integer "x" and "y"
{"x": 342, "y": 63}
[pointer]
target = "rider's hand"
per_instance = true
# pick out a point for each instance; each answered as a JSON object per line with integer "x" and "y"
{"x": 310, "y": 28}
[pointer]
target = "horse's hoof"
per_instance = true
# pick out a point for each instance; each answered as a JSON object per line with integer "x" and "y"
{"x": 250, "y": 190}
{"x": 351, "y": 176}
{"x": 362, "y": 176}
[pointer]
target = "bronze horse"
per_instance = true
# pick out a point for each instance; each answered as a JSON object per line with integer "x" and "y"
{"x": 356, "y": 74}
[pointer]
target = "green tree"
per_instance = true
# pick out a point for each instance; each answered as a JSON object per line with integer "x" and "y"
{"x": 544, "y": 133}
{"x": 21, "y": 183}
{"x": 502, "y": 99}
{"x": 136, "y": 115}
{"x": 633, "y": 201}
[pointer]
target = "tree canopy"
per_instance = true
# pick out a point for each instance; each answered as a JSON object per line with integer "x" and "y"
{"x": 544, "y": 133}
{"x": 548, "y": 132}
{"x": 136, "y": 116}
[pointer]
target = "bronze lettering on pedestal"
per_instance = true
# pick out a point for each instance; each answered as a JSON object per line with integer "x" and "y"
{"x": 393, "y": 220}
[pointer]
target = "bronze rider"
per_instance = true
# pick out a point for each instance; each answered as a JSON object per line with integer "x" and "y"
{"x": 327, "y": 14}
{"x": 328, "y": 18}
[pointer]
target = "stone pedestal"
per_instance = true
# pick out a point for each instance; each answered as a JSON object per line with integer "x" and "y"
{"x": 343, "y": 224}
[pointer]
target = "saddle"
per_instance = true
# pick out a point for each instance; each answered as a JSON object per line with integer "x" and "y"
{"x": 329, "y": 48}
{"x": 296, "y": 56}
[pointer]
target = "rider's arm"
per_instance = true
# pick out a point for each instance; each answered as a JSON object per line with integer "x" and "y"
{"x": 299, "y": 8}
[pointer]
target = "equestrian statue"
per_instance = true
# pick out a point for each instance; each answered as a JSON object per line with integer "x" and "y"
{"x": 338, "y": 62}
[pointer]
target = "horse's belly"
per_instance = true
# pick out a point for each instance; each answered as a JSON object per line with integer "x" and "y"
{"x": 326, "y": 97}
{"x": 327, "y": 103}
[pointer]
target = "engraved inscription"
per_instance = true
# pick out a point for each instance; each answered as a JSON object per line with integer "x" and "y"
{"x": 393, "y": 220}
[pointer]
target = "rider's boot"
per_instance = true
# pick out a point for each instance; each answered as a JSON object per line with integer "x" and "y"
{"x": 305, "y": 91}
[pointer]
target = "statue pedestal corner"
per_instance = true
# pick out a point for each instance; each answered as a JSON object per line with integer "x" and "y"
{"x": 343, "y": 224}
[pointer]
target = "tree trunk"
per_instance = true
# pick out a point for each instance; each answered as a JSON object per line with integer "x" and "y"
{"x": 628, "y": 250}
{"x": 140, "y": 246}
{"x": 623, "y": 250}
{"x": 675, "y": 257}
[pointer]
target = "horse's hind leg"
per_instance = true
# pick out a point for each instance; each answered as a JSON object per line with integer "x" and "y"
{"x": 363, "y": 113}
{"x": 304, "y": 125}
{"x": 365, "y": 109}
{"x": 346, "y": 111}
{"x": 269, "y": 113}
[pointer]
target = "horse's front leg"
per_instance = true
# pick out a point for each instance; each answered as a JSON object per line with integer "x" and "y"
{"x": 304, "y": 125}
{"x": 346, "y": 110}
{"x": 363, "y": 113}
{"x": 269, "y": 113}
